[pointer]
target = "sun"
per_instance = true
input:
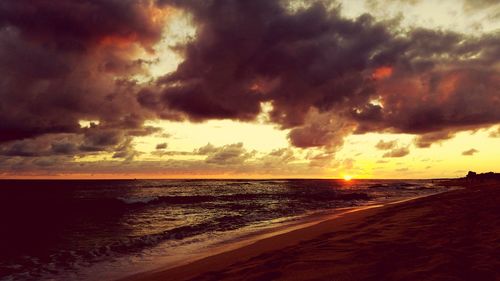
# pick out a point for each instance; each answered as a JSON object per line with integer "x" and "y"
{"x": 347, "y": 177}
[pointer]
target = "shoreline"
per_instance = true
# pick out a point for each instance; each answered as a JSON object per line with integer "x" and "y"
{"x": 272, "y": 239}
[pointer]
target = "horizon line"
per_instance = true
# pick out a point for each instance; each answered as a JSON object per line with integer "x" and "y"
{"x": 194, "y": 178}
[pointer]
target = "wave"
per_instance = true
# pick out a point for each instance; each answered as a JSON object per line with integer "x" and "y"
{"x": 402, "y": 186}
{"x": 137, "y": 199}
{"x": 193, "y": 199}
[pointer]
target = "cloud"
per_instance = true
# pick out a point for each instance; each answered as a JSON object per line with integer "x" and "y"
{"x": 48, "y": 145}
{"x": 99, "y": 140}
{"x": 126, "y": 151}
{"x": 427, "y": 81}
{"x": 25, "y": 148}
{"x": 230, "y": 154}
{"x": 324, "y": 76}
{"x": 207, "y": 149}
{"x": 278, "y": 157}
{"x": 161, "y": 145}
{"x": 321, "y": 159}
{"x": 475, "y": 5}
{"x": 321, "y": 130}
{"x": 394, "y": 149}
{"x": 426, "y": 140}
{"x": 94, "y": 140}
{"x": 437, "y": 101}
{"x": 64, "y": 147}
{"x": 385, "y": 145}
{"x": 162, "y": 153}
{"x": 144, "y": 131}
{"x": 397, "y": 152}
{"x": 470, "y": 152}
{"x": 119, "y": 21}
{"x": 495, "y": 134}
{"x": 309, "y": 59}
{"x": 71, "y": 61}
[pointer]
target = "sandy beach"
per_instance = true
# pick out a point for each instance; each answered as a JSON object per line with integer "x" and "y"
{"x": 448, "y": 236}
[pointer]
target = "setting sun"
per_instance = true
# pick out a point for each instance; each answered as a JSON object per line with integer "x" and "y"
{"x": 347, "y": 177}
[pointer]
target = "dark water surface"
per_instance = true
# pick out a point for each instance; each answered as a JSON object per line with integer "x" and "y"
{"x": 84, "y": 230}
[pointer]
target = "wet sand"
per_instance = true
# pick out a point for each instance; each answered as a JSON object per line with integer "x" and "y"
{"x": 448, "y": 236}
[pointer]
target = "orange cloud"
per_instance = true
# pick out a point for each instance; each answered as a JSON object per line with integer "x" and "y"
{"x": 154, "y": 18}
{"x": 382, "y": 72}
{"x": 119, "y": 41}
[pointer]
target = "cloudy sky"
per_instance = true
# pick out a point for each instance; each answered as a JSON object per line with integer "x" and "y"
{"x": 237, "y": 89}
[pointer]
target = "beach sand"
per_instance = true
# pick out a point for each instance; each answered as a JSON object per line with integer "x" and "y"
{"x": 448, "y": 236}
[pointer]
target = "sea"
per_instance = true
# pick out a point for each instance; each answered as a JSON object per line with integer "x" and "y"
{"x": 108, "y": 229}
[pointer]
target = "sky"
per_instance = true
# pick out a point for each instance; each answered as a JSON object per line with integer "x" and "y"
{"x": 249, "y": 89}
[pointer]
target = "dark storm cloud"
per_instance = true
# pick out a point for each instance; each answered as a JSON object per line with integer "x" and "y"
{"x": 442, "y": 82}
{"x": 67, "y": 61}
{"x": 439, "y": 101}
{"x": 248, "y": 52}
{"x": 77, "y": 25}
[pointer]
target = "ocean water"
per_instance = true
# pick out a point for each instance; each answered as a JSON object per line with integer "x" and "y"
{"x": 104, "y": 229}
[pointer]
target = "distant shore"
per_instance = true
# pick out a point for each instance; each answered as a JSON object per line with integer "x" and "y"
{"x": 448, "y": 236}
